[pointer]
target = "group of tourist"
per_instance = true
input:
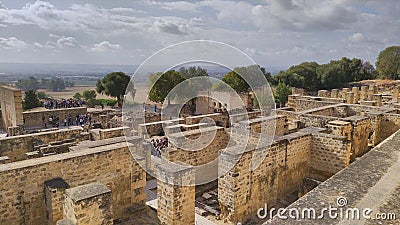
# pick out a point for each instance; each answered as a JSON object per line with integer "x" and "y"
{"x": 158, "y": 145}
{"x": 54, "y": 121}
{"x": 63, "y": 103}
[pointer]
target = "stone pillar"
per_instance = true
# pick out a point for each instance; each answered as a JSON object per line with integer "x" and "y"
{"x": 395, "y": 96}
{"x": 356, "y": 92}
{"x": 54, "y": 199}
{"x": 334, "y": 93}
{"x": 344, "y": 92}
{"x": 349, "y": 97}
{"x": 88, "y": 204}
{"x": 176, "y": 194}
{"x": 364, "y": 93}
{"x": 378, "y": 99}
{"x": 372, "y": 90}
{"x": 323, "y": 93}
{"x": 293, "y": 90}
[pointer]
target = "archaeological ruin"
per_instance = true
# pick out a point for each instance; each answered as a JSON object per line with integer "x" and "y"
{"x": 330, "y": 144}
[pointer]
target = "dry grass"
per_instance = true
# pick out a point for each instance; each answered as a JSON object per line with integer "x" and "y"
{"x": 377, "y": 82}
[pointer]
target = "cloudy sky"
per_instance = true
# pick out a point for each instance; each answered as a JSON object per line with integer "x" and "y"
{"x": 272, "y": 32}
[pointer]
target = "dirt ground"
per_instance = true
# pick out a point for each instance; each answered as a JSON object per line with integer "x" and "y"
{"x": 141, "y": 92}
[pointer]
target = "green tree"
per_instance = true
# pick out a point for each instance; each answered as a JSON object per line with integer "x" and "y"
{"x": 187, "y": 73}
{"x": 89, "y": 94}
{"x": 162, "y": 84}
{"x": 55, "y": 84}
{"x": 31, "y": 100}
{"x": 41, "y": 95}
{"x": 77, "y": 96}
{"x": 236, "y": 82}
{"x": 114, "y": 85}
{"x": 388, "y": 63}
{"x": 267, "y": 75}
{"x": 28, "y": 84}
{"x": 194, "y": 86}
{"x": 281, "y": 94}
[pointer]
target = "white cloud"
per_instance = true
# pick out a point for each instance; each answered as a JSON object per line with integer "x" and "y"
{"x": 2, "y": 6}
{"x": 90, "y": 19}
{"x": 357, "y": 37}
{"x": 12, "y": 43}
{"x": 177, "y": 5}
{"x": 61, "y": 41}
{"x": 105, "y": 46}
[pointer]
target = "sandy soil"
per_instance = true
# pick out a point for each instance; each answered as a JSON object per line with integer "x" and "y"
{"x": 141, "y": 92}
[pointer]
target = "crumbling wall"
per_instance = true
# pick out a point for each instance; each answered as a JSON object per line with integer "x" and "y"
{"x": 300, "y": 103}
{"x": 242, "y": 192}
{"x": 16, "y": 147}
{"x": 191, "y": 154}
{"x": 271, "y": 125}
{"x": 100, "y": 134}
{"x": 329, "y": 154}
{"x": 113, "y": 165}
{"x": 11, "y": 106}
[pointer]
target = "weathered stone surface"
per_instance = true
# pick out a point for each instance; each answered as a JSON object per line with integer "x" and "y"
{"x": 88, "y": 204}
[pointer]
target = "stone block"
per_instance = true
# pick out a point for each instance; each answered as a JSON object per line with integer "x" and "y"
{"x": 54, "y": 199}
{"x": 88, "y": 204}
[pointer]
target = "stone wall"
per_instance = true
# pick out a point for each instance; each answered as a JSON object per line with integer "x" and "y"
{"x": 329, "y": 154}
{"x": 100, "y": 134}
{"x": 360, "y": 133}
{"x": 11, "y": 106}
{"x": 112, "y": 165}
{"x": 35, "y": 118}
{"x": 242, "y": 192}
{"x": 88, "y": 204}
{"x": 272, "y": 125}
{"x": 16, "y": 147}
{"x": 191, "y": 154}
{"x": 176, "y": 202}
{"x": 300, "y": 103}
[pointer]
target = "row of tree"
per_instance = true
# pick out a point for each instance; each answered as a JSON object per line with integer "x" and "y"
{"x": 54, "y": 84}
{"x": 313, "y": 76}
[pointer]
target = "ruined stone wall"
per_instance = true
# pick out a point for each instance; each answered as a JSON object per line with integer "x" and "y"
{"x": 300, "y": 103}
{"x": 272, "y": 125}
{"x": 176, "y": 203}
{"x": 113, "y": 165}
{"x": 1, "y": 121}
{"x": 100, "y": 134}
{"x": 340, "y": 111}
{"x": 391, "y": 123}
{"x": 306, "y": 120}
{"x": 16, "y": 147}
{"x": 242, "y": 192}
{"x": 35, "y": 118}
{"x": 329, "y": 154}
{"x": 11, "y": 106}
{"x": 191, "y": 154}
{"x": 361, "y": 129}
